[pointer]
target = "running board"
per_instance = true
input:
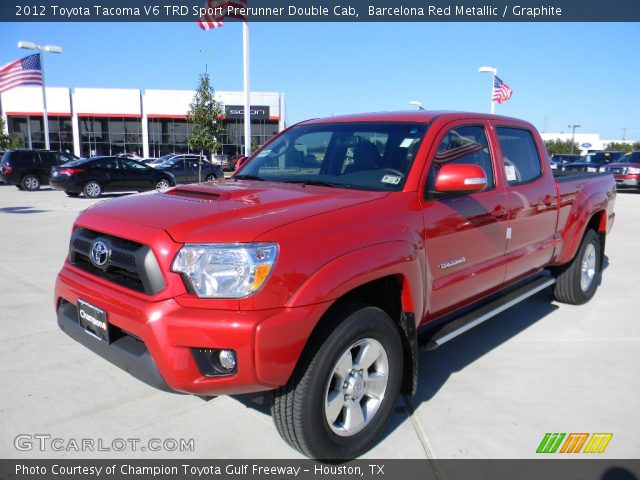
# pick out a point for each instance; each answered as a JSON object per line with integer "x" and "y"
{"x": 485, "y": 312}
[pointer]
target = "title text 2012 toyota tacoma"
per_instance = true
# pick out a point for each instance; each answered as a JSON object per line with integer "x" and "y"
{"x": 315, "y": 271}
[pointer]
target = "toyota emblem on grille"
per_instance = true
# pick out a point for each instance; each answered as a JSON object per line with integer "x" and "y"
{"x": 100, "y": 253}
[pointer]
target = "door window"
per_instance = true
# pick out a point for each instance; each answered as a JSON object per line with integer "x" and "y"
{"x": 463, "y": 145}
{"x": 132, "y": 165}
{"x": 519, "y": 154}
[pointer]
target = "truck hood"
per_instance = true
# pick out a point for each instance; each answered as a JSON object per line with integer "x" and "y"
{"x": 228, "y": 211}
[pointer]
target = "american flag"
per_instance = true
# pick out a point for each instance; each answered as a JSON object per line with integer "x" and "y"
{"x": 501, "y": 90}
{"x": 26, "y": 71}
{"x": 454, "y": 147}
{"x": 217, "y": 10}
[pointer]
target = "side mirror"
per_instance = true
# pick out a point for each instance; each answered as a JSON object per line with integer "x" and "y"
{"x": 461, "y": 178}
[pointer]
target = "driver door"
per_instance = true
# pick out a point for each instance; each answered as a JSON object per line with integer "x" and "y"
{"x": 465, "y": 235}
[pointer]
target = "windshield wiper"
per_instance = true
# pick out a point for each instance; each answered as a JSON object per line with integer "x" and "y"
{"x": 248, "y": 177}
{"x": 320, "y": 183}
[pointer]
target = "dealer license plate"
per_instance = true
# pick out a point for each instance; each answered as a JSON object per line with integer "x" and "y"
{"x": 93, "y": 320}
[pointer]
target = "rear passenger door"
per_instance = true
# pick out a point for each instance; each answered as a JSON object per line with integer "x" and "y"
{"x": 108, "y": 173}
{"x": 46, "y": 161}
{"x": 191, "y": 168}
{"x": 178, "y": 169}
{"x": 465, "y": 234}
{"x": 532, "y": 202}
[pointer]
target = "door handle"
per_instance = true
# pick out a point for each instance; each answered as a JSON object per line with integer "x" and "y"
{"x": 499, "y": 211}
{"x": 547, "y": 200}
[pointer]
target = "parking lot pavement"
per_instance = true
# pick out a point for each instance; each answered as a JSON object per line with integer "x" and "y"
{"x": 492, "y": 393}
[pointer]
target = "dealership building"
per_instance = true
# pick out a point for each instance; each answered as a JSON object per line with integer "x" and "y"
{"x": 586, "y": 141}
{"x": 149, "y": 123}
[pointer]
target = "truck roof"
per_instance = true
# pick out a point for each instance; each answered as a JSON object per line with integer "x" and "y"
{"x": 419, "y": 116}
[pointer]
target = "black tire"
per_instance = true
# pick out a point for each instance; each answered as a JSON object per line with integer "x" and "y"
{"x": 30, "y": 182}
{"x": 298, "y": 408}
{"x": 577, "y": 282}
{"x": 210, "y": 177}
{"x": 72, "y": 194}
{"x": 92, "y": 189}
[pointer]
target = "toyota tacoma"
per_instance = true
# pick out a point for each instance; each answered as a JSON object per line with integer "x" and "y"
{"x": 336, "y": 252}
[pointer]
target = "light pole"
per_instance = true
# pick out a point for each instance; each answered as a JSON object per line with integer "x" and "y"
{"x": 417, "y": 104}
{"x": 493, "y": 71}
{"x": 50, "y": 49}
{"x": 573, "y": 134}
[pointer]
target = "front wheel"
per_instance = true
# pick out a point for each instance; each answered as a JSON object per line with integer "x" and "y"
{"x": 345, "y": 387}
{"x": 210, "y": 177}
{"x": 162, "y": 184}
{"x": 577, "y": 282}
{"x": 92, "y": 189}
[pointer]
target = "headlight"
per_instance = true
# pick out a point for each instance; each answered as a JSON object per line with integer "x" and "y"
{"x": 225, "y": 270}
{"x": 634, "y": 170}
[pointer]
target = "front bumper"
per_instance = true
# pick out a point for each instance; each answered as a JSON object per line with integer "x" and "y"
{"x": 155, "y": 341}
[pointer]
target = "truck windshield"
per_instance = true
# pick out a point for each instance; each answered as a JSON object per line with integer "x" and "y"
{"x": 366, "y": 156}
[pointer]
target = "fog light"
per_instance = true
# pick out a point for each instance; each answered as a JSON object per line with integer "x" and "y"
{"x": 227, "y": 359}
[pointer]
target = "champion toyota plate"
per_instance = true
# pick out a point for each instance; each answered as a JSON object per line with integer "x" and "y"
{"x": 93, "y": 320}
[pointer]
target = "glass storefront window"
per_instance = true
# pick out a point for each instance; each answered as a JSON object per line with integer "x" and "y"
{"x": 31, "y": 130}
{"x": 168, "y": 135}
{"x": 110, "y": 136}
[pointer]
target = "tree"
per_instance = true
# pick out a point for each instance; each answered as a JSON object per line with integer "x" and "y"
{"x": 9, "y": 142}
{"x": 625, "y": 147}
{"x": 557, "y": 145}
{"x": 205, "y": 116}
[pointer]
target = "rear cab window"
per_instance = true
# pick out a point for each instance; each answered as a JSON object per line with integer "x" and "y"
{"x": 519, "y": 154}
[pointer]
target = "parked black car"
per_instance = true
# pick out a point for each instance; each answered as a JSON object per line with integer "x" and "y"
{"x": 28, "y": 169}
{"x": 560, "y": 160}
{"x": 184, "y": 168}
{"x": 93, "y": 176}
{"x": 592, "y": 161}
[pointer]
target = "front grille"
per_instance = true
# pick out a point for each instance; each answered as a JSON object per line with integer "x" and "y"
{"x": 129, "y": 264}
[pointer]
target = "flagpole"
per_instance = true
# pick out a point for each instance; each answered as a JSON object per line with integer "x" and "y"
{"x": 44, "y": 105}
{"x": 247, "y": 104}
{"x": 494, "y": 73}
{"x": 493, "y": 82}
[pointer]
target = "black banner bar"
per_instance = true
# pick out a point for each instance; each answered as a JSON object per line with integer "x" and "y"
{"x": 547, "y": 469}
{"x": 325, "y": 11}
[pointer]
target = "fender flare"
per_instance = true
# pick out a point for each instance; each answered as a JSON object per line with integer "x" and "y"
{"x": 358, "y": 267}
{"x": 332, "y": 281}
{"x": 572, "y": 236}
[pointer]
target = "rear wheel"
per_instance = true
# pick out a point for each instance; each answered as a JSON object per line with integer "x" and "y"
{"x": 72, "y": 194}
{"x": 210, "y": 177}
{"x": 577, "y": 282}
{"x": 30, "y": 182}
{"x": 345, "y": 387}
{"x": 92, "y": 189}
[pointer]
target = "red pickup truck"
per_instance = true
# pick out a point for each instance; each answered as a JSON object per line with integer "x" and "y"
{"x": 335, "y": 252}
